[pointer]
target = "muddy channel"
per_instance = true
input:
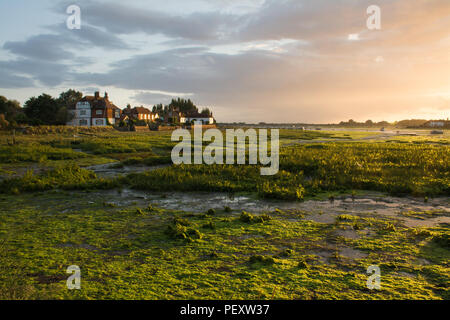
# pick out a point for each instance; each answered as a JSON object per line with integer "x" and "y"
{"x": 315, "y": 210}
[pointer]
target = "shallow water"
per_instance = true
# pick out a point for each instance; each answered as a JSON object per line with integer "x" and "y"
{"x": 318, "y": 211}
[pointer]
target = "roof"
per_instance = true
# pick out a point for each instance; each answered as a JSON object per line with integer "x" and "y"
{"x": 99, "y": 103}
{"x": 136, "y": 110}
{"x": 196, "y": 115}
{"x": 142, "y": 110}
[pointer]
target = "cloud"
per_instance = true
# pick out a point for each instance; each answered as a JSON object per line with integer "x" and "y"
{"x": 48, "y": 73}
{"x": 117, "y": 18}
{"x": 60, "y": 46}
{"x": 283, "y": 60}
{"x": 41, "y": 47}
{"x": 155, "y": 97}
{"x": 50, "y": 58}
{"x": 12, "y": 81}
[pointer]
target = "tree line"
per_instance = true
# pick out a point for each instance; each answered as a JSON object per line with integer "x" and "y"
{"x": 47, "y": 110}
{"x": 41, "y": 110}
{"x": 181, "y": 105}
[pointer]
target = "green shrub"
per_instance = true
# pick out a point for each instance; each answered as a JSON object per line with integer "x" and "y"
{"x": 246, "y": 217}
{"x": 249, "y": 218}
{"x": 179, "y": 230}
{"x": 209, "y": 225}
{"x": 303, "y": 263}
{"x": 286, "y": 253}
{"x": 262, "y": 260}
{"x": 442, "y": 240}
{"x": 181, "y": 221}
{"x": 346, "y": 217}
{"x": 70, "y": 178}
{"x": 140, "y": 212}
{"x": 275, "y": 191}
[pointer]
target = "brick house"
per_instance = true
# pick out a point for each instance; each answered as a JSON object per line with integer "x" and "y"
{"x": 95, "y": 111}
{"x": 138, "y": 113}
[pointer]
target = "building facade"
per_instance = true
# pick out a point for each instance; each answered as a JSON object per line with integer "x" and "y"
{"x": 196, "y": 117}
{"x": 95, "y": 111}
{"x": 139, "y": 113}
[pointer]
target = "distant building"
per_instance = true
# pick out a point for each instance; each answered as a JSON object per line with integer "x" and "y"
{"x": 193, "y": 117}
{"x": 437, "y": 124}
{"x": 139, "y": 113}
{"x": 95, "y": 111}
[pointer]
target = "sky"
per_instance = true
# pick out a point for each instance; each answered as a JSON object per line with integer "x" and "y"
{"x": 290, "y": 61}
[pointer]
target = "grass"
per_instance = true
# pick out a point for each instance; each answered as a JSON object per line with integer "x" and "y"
{"x": 305, "y": 170}
{"x": 51, "y": 219}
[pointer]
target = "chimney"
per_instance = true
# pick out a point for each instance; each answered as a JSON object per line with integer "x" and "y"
{"x": 106, "y": 95}
{"x": 97, "y": 94}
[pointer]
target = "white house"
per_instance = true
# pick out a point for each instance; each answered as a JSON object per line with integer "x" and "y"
{"x": 81, "y": 115}
{"x": 95, "y": 111}
{"x": 197, "y": 117}
{"x": 436, "y": 124}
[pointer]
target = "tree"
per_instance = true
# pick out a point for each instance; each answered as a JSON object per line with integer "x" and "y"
{"x": 131, "y": 125}
{"x": 182, "y": 105}
{"x": 10, "y": 109}
{"x": 3, "y": 122}
{"x": 158, "y": 108}
{"x": 67, "y": 101}
{"x": 206, "y": 112}
{"x": 69, "y": 98}
{"x": 42, "y": 110}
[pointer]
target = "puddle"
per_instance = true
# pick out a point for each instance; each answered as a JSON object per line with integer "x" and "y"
{"x": 348, "y": 233}
{"x": 423, "y": 262}
{"x": 318, "y": 211}
{"x": 352, "y": 253}
{"x": 432, "y": 222}
{"x": 190, "y": 202}
{"x": 323, "y": 256}
{"x": 327, "y": 218}
{"x": 249, "y": 236}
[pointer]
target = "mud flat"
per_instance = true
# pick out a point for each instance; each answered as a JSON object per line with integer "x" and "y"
{"x": 436, "y": 211}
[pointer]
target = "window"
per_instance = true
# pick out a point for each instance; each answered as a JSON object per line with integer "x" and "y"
{"x": 99, "y": 112}
{"x": 117, "y": 114}
{"x": 83, "y": 112}
{"x": 99, "y": 122}
{"x": 83, "y": 123}
{"x": 83, "y": 104}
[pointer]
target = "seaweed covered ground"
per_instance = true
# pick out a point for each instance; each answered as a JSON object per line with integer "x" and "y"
{"x": 129, "y": 247}
{"x": 93, "y": 200}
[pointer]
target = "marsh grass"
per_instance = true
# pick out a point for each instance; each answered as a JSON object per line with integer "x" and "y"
{"x": 305, "y": 170}
{"x": 132, "y": 252}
